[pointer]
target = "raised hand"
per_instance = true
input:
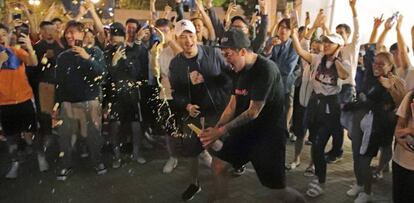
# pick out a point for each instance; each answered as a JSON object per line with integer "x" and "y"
{"x": 399, "y": 22}
{"x": 378, "y": 21}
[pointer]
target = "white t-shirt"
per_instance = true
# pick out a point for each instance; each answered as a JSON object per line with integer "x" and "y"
{"x": 166, "y": 55}
{"x": 326, "y": 84}
{"x": 401, "y": 156}
{"x": 409, "y": 79}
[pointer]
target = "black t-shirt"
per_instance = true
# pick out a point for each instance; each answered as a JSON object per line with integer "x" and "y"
{"x": 47, "y": 67}
{"x": 261, "y": 82}
{"x": 198, "y": 92}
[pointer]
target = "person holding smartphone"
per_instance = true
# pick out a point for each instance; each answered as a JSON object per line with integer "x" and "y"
{"x": 17, "y": 112}
{"x": 79, "y": 75}
{"x": 127, "y": 66}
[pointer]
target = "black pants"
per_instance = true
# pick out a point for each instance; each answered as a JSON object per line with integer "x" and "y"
{"x": 402, "y": 184}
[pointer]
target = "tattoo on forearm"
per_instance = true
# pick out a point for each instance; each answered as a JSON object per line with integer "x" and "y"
{"x": 240, "y": 120}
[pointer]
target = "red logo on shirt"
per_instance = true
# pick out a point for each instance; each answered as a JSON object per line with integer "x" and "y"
{"x": 242, "y": 92}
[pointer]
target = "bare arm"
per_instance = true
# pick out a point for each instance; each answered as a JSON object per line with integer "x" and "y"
{"x": 342, "y": 73}
{"x": 374, "y": 32}
{"x": 307, "y": 56}
{"x": 405, "y": 60}
{"x": 228, "y": 113}
{"x": 387, "y": 27}
{"x": 250, "y": 114}
{"x": 207, "y": 20}
{"x": 50, "y": 12}
{"x": 97, "y": 22}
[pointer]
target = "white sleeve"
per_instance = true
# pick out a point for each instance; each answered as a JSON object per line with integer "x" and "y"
{"x": 405, "y": 104}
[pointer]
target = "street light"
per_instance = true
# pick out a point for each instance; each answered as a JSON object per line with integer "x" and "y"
{"x": 95, "y": 1}
{"x": 34, "y": 2}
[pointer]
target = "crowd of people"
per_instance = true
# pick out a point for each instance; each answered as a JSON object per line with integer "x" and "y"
{"x": 67, "y": 82}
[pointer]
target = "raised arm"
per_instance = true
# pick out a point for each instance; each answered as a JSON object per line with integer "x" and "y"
{"x": 97, "y": 22}
{"x": 402, "y": 46}
{"x": 307, "y": 56}
{"x": 207, "y": 20}
{"x": 34, "y": 27}
{"x": 217, "y": 24}
{"x": 374, "y": 32}
{"x": 387, "y": 27}
{"x": 355, "y": 36}
{"x": 50, "y": 12}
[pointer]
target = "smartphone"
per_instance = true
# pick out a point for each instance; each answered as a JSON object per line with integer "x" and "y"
{"x": 307, "y": 15}
{"x": 78, "y": 43}
{"x": 17, "y": 16}
{"x": 235, "y": 2}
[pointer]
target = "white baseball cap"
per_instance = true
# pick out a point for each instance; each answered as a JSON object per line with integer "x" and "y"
{"x": 184, "y": 25}
{"x": 334, "y": 38}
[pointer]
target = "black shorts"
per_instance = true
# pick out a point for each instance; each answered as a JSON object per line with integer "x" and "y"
{"x": 266, "y": 151}
{"x": 17, "y": 118}
{"x": 192, "y": 145}
{"x": 126, "y": 108}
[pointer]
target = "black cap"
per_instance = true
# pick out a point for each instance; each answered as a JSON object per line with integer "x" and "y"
{"x": 239, "y": 18}
{"x": 235, "y": 39}
{"x": 117, "y": 29}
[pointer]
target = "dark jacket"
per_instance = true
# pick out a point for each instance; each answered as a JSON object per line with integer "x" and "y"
{"x": 217, "y": 79}
{"x": 78, "y": 79}
{"x": 48, "y": 70}
{"x": 286, "y": 58}
{"x": 132, "y": 70}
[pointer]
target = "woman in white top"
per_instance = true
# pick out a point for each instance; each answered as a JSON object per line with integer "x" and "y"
{"x": 323, "y": 108}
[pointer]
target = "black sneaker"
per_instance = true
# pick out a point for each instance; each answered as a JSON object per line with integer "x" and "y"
{"x": 63, "y": 174}
{"x": 190, "y": 192}
{"x": 239, "y": 171}
{"x": 101, "y": 169}
{"x": 333, "y": 159}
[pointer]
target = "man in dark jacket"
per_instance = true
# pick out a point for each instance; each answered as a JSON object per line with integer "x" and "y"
{"x": 127, "y": 67}
{"x": 200, "y": 88}
{"x": 78, "y": 89}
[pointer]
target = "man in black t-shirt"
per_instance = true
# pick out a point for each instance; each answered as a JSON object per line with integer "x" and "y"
{"x": 253, "y": 118}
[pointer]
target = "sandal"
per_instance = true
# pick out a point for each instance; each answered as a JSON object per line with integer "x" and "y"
{"x": 309, "y": 172}
{"x": 314, "y": 190}
{"x": 292, "y": 166}
{"x": 377, "y": 176}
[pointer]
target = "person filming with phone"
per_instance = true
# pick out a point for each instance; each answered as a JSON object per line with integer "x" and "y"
{"x": 79, "y": 76}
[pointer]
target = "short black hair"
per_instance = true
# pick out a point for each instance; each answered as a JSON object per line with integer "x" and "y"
{"x": 4, "y": 27}
{"x": 73, "y": 23}
{"x": 301, "y": 29}
{"x": 285, "y": 21}
{"x": 132, "y": 20}
{"x": 45, "y": 23}
{"x": 394, "y": 47}
{"x": 54, "y": 20}
{"x": 345, "y": 27}
{"x": 162, "y": 22}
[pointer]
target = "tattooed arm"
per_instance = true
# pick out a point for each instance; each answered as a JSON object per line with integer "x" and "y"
{"x": 211, "y": 134}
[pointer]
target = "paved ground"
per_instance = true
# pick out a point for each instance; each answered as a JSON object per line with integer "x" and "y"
{"x": 146, "y": 183}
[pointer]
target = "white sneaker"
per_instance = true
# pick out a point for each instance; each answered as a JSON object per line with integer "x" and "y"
{"x": 355, "y": 190}
{"x": 43, "y": 165}
{"x": 363, "y": 198}
{"x": 205, "y": 158}
{"x": 12, "y": 174}
{"x": 170, "y": 165}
